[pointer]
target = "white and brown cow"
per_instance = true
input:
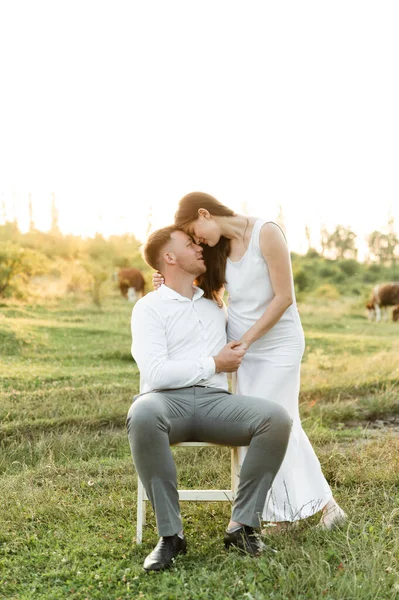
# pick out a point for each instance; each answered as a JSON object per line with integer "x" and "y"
{"x": 383, "y": 295}
{"x": 131, "y": 283}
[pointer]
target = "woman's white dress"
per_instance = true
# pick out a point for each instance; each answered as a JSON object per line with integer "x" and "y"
{"x": 271, "y": 369}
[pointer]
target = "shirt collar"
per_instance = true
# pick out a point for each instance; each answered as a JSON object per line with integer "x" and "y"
{"x": 168, "y": 293}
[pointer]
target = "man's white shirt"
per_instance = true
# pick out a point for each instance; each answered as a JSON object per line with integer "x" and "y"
{"x": 175, "y": 338}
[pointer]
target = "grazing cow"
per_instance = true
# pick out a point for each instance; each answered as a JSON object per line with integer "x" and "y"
{"x": 395, "y": 313}
{"x": 383, "y": 296}
{"x": 131, "y": 283}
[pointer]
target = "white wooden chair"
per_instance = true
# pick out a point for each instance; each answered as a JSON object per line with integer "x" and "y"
{"x": 187, "y": 495}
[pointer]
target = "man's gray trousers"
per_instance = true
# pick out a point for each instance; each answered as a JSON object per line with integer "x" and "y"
{"x": 157, "y": 420}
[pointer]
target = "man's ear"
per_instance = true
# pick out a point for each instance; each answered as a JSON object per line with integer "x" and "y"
{"x": 169, "y": 258}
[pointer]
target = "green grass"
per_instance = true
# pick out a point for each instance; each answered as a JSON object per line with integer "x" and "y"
{"x": 67, "y": 482}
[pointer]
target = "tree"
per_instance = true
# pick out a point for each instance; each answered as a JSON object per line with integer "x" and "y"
{"x": 308, "y": 236}
{"x": 17, "y": 265}
{"x": 324, "y": 235}
{"x": 281, "y": 218}
{"x": 124, "y": 250}
{"x": 31, "y": 221}
{"x": 9, "y": 232}
{"x": 100, "y": 273}
{"x": 340, "y": 243}
{"x": 383, "y": 246}
{"x": 149, "y": 222}
{"x": 3, "y": 212}
{"x": 54, "y": 216}
{"x": 10, "y": 264}
{"x": 393, "y": 240}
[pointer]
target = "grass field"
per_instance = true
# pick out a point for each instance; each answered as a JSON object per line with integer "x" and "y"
{"x": 67, "y": 487}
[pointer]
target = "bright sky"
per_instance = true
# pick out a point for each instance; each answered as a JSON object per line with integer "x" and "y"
{"x": 118, "y": 106}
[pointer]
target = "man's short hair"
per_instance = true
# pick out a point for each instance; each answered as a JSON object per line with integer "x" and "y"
{"x": 155, "y": 244}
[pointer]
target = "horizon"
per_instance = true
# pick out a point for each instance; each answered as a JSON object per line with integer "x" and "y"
{"x": 17, "y": 210}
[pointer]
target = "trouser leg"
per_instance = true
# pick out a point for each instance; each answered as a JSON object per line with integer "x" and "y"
{"x": 261, "y": 425}
{"x": 157, "y": 420}
{"x": 154, "y": 422}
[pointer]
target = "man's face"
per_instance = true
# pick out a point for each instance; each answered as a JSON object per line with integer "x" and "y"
{"x": 187, "y": 254}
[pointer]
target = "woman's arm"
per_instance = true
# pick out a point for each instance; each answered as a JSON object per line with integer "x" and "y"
{"x": 275, "y": 252}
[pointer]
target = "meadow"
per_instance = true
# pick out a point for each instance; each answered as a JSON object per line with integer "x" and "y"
{"x": 67, "y": 482}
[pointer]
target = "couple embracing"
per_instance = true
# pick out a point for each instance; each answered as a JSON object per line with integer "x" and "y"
{"x": 183, "y": 350}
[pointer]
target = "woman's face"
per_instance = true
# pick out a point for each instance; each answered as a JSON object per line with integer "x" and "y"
{"x": 204, "y": 230}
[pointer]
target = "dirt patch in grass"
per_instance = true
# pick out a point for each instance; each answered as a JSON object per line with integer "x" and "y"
{"x": 387, "y": 424}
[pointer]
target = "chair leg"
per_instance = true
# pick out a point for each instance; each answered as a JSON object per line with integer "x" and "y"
{"x": 235, "y": 471}
{"x": 140, "y": 511}
{"x": 235, "y": 456}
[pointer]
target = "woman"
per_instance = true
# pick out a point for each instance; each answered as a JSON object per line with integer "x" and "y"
{"x": 250, "y": 257}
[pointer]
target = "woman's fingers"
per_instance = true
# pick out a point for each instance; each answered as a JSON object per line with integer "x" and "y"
{"x": 235, "y": 344}
{"x": 157, "y": 280}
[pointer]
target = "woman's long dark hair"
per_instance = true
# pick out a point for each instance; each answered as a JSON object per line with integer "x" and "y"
{"x": 215, "y": 257}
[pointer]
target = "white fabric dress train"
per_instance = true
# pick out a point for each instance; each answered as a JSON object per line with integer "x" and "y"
{"x": 271, "y": 369}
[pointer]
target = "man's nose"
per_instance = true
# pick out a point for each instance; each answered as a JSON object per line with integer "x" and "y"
{"x": 198, "y": 247}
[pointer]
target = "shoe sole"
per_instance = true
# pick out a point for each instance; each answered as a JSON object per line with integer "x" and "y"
{"x": 166, "y": 566}
{"x": 229, "y": 545}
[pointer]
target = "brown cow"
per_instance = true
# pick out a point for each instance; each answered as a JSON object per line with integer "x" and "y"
{"x": 131, "y": 283}
{"x": 383, "y": 296}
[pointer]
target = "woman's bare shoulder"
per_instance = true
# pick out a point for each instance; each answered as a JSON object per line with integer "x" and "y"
{"x": 271, "y": 237}
{"x": 271, "y": 229}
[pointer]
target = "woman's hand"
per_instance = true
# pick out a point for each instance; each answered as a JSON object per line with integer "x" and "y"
{"x": 157, "y": 280}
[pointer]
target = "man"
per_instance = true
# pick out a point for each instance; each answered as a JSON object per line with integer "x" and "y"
{"x": 179, "y": 344}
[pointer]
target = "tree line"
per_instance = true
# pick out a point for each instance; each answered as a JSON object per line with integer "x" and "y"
{"x": 341, "y": 243}
{"x": 86, "y": 264}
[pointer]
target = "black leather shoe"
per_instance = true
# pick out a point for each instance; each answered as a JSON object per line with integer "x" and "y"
{"x": 245, "y": 539}
{"x": 164, "y": 552}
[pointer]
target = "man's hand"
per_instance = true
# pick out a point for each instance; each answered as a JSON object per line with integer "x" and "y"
{"x": 241, "y": 345}
{"x": 229, "y": 359}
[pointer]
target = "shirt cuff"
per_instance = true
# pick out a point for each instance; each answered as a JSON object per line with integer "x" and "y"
{"x": 209, "y": 367}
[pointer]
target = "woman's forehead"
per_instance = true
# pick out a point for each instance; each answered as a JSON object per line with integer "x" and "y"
{"x": 180, "y": 235}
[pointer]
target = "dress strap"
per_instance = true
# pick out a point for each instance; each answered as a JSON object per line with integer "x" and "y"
{"x": 280, "y": 228}
{"x": 256, "y": 233}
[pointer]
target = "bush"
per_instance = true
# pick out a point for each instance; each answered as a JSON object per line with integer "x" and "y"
{"x": 339, "y": 277}
{"x": 301, "y": 279}
{"x": 77, "y": 278}
{"x": 327, "y": 290}
{"x": 312, "y": 253}
{"x": 328, "y": 271}
{"x": 350, "y": 267}
{"x": 17, "y": 266}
